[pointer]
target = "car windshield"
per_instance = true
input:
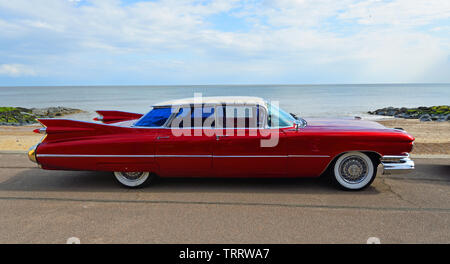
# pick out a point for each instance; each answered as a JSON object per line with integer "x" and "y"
{"x": 278, "y": 117}
{"x": 155, "y": 118}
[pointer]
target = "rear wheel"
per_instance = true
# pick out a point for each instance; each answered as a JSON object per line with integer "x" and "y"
{"x": 354, "y": 171}
{"x": 133, "y": 179}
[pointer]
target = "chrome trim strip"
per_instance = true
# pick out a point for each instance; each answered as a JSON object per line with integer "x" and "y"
{"x": 92, "y": 156}
{"x": 250, "y": 156}
{"x": 184, "y": 156}
{"x": 395, "y": 157}
{"x": 176, "y": 156}
{"x": 308, "y": 156}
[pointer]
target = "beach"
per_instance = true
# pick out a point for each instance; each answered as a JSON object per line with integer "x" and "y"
{"x": 432, "y": 138}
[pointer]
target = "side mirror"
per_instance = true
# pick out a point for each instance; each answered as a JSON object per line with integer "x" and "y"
{"x": 299, "y": 123}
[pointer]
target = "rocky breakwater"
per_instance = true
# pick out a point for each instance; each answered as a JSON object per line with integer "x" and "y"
{"x": 423, "y": 113}
{"x": 19, "y": 116}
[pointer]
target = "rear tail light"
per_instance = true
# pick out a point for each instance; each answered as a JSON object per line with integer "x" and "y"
{"x": 40, "y": 130}
{"x": 99, "y": 118}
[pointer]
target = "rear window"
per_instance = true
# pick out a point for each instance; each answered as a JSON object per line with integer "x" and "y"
{"x": 155, "y": 118}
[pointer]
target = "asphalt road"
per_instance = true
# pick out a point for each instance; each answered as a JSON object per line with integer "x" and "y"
{"x": 38, "y": 206}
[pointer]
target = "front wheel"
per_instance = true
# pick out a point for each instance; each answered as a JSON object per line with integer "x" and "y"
{"x": 133, "y": 179}
{"x": 354, "y": 171}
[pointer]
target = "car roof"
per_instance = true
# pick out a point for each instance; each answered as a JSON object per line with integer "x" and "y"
{"x": 214, "y": 100}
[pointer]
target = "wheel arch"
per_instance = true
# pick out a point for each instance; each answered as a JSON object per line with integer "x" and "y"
{"x": 373, "y": 155}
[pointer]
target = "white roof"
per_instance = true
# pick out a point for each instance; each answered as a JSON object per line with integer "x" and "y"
{"x": 215, "y": 100}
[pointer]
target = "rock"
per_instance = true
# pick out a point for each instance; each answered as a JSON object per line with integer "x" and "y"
{"x": 18, "y": 116}
{"x": 423, "y": 108}
{"x": 39, "y": 111}
{"x": 424, "y": 113}
{"x": 391, "y": 112}
{"x": 425, "y": 118}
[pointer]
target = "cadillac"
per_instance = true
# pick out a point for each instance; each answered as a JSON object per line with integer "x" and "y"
{"x": 223, "y": 137}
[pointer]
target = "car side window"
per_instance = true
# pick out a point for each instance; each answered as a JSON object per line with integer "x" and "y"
{"x": 195, "y": 117}
{"x": 238, "y": 116}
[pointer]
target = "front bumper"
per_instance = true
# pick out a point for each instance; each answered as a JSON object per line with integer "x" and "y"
{"x": 397, "y": 164}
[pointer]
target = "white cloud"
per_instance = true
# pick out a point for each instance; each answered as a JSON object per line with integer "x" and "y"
{"x": 16, "y": 70}
{"x": 399, "y": 12}
{"x": 367, "y": 40}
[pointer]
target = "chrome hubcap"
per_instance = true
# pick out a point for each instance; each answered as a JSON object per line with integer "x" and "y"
{"x": 353, "y": 169}
{"x": 132, "y": 176}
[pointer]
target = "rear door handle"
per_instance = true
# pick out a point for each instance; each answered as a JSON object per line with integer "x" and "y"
{"x": 165, "y": 137}
{"x": 218, "y": 137}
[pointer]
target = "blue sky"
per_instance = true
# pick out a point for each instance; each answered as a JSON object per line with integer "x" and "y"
{"x": 169, "y": 42}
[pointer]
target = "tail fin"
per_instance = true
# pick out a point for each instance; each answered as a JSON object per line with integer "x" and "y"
{"x": 116, "y": 116}
{"x": 64, "y": 128}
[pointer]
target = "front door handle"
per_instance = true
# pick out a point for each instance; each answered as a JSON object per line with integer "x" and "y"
{"x": 218, "y": 137}
{"x": 158, "y": 137}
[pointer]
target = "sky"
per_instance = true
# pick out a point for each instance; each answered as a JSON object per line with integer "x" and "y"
{"x": 187, "y": 42}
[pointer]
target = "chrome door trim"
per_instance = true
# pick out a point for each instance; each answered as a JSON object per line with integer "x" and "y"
{"x": 92, "y": 156}
{"x": 178, "y": 156}
{"x": 308, "y": 156}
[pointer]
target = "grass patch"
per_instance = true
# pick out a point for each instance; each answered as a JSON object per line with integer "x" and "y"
{"x": 7, "y": 109}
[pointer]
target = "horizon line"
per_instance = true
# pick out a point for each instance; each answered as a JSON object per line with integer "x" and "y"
{"x": 256, "y": 84}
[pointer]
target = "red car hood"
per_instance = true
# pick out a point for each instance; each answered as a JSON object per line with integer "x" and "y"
{"x": 350, "y": 124}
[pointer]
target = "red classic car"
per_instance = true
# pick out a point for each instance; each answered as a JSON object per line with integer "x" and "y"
{"x": 223, "y": 137}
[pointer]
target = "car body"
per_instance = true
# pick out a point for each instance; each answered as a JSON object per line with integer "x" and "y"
{"x": 226, "y": 137}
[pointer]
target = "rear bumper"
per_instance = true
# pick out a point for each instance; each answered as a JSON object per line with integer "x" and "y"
{"x": 397, "y": 164}
{"x": 32, "y": 153}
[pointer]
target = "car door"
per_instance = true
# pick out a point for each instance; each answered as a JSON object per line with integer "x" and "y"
{"x": 184, "y": 149}
{"x": 240, "y": 148}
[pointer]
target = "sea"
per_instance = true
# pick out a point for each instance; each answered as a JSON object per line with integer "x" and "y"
{"x": 328, "y": 100}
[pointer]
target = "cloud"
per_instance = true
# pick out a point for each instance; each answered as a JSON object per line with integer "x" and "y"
{"x": 16, "y": 70}
{"x": 398, "y": 13}
{"x": 180, "y": 41}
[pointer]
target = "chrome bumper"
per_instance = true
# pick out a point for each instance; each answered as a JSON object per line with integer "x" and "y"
{"x": 32, "y": 153}
{"x": 397, "y": 164}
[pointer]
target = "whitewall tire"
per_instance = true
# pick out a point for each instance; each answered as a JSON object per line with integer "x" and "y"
{"x": 354, "y": 171}
{"x": 132, "y": 179}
